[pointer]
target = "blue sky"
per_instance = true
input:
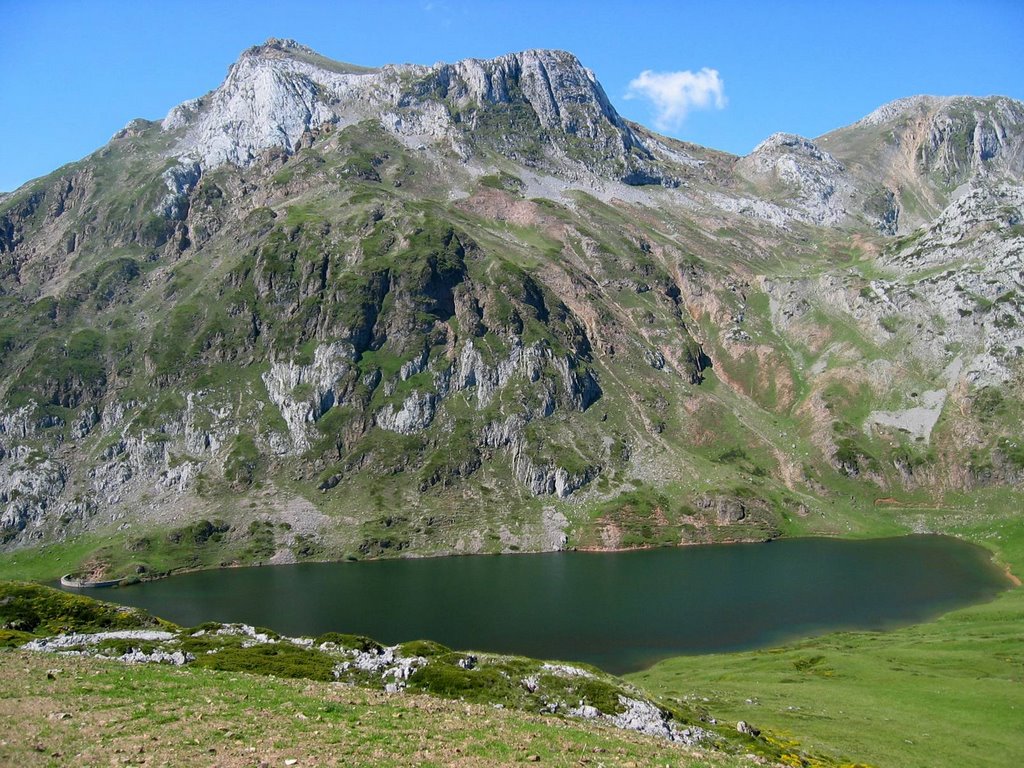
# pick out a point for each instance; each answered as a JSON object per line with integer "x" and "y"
{"x": 73, "y": 73}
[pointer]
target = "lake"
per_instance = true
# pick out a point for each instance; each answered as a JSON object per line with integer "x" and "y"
{"x": 621, "y": 611}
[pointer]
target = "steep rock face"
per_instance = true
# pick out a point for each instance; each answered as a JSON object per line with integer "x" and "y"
{"x": 180, "y": 179}
{"x": 38, "y": 232}
{"x": 415, "y": 414}
{"x": 135, "y": 461}
{"x": 910, "y": 157}
{"x": 269, "y": 99}
{"x": 304, "y": 393}
{"x": 541, "y": 476}
{"x": 30, "y": 482}
{"x": 563, "y": 94}
{"x": 281, "y": 90}
{"x": 980, "y": 306}
{"x": 956, "y": 135}
{"x": 568, "y": 103}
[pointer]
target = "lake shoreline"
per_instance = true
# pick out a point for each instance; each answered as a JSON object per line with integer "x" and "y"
{"x": 618, "y": 610}
{"x": 67, "y": 580}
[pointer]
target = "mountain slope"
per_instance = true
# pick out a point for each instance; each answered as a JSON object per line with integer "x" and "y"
{"x": 927, "y": 147}
{"x": 324, "y": 311}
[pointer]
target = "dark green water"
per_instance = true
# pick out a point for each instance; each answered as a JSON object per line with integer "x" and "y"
{"x": 620, "y": 611}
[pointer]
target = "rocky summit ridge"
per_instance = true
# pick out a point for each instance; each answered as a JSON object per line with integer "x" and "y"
{"x": 327, "y": 311}
{"x": 278, "y": 91}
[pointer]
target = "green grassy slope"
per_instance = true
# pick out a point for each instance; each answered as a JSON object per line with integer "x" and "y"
{"x": 946, "y": 693}
{"x": 156, "y": 715}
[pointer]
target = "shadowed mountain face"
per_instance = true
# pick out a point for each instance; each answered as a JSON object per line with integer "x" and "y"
{"x": 468, "y": 307}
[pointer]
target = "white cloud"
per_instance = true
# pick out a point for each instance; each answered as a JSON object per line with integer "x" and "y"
{"x": 674, "y": 94}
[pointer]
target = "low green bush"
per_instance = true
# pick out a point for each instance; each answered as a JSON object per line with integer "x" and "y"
{"x": 11, "y": 638}
{"x": 357, "y": 642}
{"x": 481, "y": 685}
{"x": 46, "y": 611}
{"x": 425, "y": 648}
{"x": 575, "y": 690}
{"x": 275, "y": 659}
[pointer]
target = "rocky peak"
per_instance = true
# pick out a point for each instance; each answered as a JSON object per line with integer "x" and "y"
{"x": 277, "y": 91}
{"x": 564, "y": 94}
{"x": 786, "y": 149}
{"x": 912, "y": 157}
{"x": 267, "y": 100}
{"x": 953, "y": 138}
{"x": 813, "y": 181}
{"x": 275, "y": 47}
{"x": 977, "y": 135}
{"x": 901, "y": 109}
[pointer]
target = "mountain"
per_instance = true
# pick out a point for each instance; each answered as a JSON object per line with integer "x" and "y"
{"x": 326, "y": 311}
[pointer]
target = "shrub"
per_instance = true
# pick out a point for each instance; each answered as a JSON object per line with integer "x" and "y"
{"x": 242, "y": 462}
{"x": 425, "y": 648}
{"x": 732, "y": 456}
{"x": 988, "y": 403}
{"x": 11, "y": 638}
{"x": 1013, "y": 450}
{"x": 44, "y": 610}
{"x": 481, "y": 685}
{"x": 358, "y": 642}
{"x": 199, "y": 533}
{"x": 275, "y": 659}
{"x": 600, "y": 694}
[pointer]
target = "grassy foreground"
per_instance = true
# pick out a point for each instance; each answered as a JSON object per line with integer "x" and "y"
{"x": 946, "y": 693}
{"x": 248, "y": 698}
{"x": 98, "y": 712}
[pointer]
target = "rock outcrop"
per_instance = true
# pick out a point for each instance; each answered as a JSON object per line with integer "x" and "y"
{"x": 814, "y": 184}
{"x": 278, "y": 92}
